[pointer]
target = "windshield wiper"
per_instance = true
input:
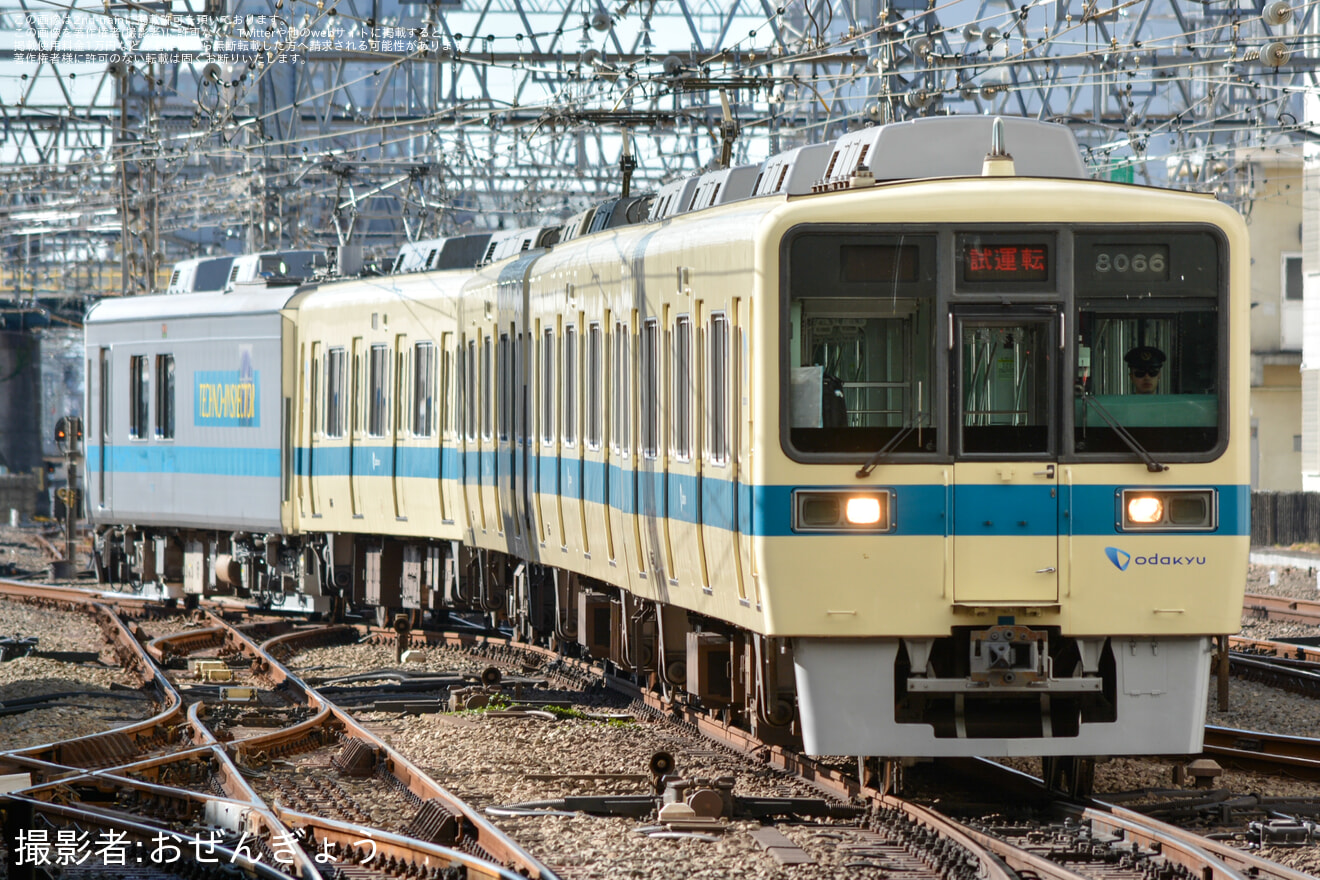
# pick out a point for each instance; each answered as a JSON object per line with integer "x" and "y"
{"x": 1131, "y": 442}
{"x": 885, "y": 450}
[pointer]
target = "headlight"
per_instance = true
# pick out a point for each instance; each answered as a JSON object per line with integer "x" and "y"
{"x": 840, "y": 510}
{"x": 1168, "y": 510}
{"x": 863, "y": 511}
{"x": 1145, "y": 509}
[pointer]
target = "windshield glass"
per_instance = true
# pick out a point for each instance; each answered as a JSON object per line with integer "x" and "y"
{"x": 1148, "y": 342}
{"x": 861, "y": 309}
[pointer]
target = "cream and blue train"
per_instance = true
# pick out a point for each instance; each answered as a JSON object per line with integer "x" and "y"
{"x": 848, "y": 445}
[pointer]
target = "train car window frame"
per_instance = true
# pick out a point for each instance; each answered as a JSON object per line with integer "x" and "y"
{"x": 336, "y": 362}
{"x": 621, "y": 436}
{"x": 470, "y": 390}
{"x": 521, "y": 345}
{"x": 423, "y": 398}
{"x": 1164, "y": 288}
{"x": 572, "y": 372}
{"x": 139, "y": 394}
{"x": 378, "y": 382}
{"x": 487, "y": 395}
{"x": 446, "y": 381}
{"x": 503, "y": 386}
{"x": 717, "y": 390}
{"x": 681, "y": 390}
{"x": 105, "y": 390}
{"x": 861, "y": 368}
{"x": 595, "y": 400}
{"x": 548, "y": 387}
{"x": 164, "y": 397}
{"x": 314, "y": 402}
{"x": 648, "y": 378}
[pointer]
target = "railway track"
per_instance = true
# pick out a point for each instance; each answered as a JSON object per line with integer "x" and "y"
{"x": 237, "y": 764}
{"x": 1281, "y": 608}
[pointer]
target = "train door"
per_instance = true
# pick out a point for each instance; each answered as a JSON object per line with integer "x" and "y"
{"x": 1006, "y": 493}
{"x": 313, "y": 412}
{"x": 599, "y": 386}
{"x": 355, "y": 429}
{"x": 622, "y": 497}
{"x": 742, "y": 448}
{"x": 506, "y": 464}
{"x": 401, "y": 410}
{"x": 103, "y": 484}
{"x": 468, "y": 440}
{"x": 650, "y": 467}
{"x": 487, "y": 503}
{"x": 719, "y": 523}
{"x": 526, "y": 358}
{"x": 445, "y": 429}
{"x": 570, "y": 456}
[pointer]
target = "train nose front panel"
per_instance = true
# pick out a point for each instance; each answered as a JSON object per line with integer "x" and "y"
{"x": 1006, "y": 494}
{"x": 1005, "y": 532}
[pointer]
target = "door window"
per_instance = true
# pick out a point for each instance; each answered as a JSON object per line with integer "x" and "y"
{"x": 1004, "y": 387}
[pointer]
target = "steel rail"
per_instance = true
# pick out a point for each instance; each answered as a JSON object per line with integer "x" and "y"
{"x": 84, "y": 816}
{"x": 1268, "y": 648}
{"x": 488, "y": 837}
{"x": 1282, "y": 608}
{"x": 1204, "y": 858}
{"x": 1252, "y": 749}
{"x": 818, "y": 775}
{"x": 403, "y": 850}
{"x": 108, "y": 747}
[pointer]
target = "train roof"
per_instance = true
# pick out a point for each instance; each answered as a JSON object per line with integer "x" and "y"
{"x": 952, "y": 146}
{"x": 200, "y": 274}
{"x": 451, "y": 252}
{"x": 250, "y": 300}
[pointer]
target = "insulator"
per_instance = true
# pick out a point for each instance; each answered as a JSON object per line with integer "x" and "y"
{"x": 1275, "y": 54}
{"x": 1277, "y": 13}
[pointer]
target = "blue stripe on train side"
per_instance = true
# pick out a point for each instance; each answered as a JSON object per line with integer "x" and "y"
{"x": 760, "y": 510}
{"x": 197, "y": 460}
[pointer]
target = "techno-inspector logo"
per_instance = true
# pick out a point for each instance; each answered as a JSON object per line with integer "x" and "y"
{"x": 1118, "y": 557}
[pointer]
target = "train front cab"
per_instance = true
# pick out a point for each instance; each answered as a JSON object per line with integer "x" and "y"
{"x": 1025, "y": 555}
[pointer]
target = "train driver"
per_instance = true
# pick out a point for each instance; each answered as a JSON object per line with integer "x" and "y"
{"x": 1144, "y": 364}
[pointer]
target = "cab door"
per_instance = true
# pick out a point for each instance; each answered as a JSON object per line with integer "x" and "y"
{"x": 1006, "y": 492}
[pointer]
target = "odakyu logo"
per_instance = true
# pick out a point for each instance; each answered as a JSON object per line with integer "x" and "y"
{"x": 1118, "y": 557}
{"x": 1122, "y": 559}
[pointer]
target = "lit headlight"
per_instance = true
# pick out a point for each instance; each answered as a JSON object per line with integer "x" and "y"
{"x": 840, "y": 510}
{"x": 1145, "y": 509}
{"x": 1168, "y": 510}
{"x": 863, "y": 511}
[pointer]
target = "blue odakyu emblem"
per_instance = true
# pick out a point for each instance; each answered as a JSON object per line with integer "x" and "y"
{"x": 1118, "y": 557}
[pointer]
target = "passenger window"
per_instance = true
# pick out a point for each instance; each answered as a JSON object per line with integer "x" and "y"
{"x": 470, "y": 389}
{"x": 548, "y": 389}
{"x": 335, "y": 362}
{"x": 503, "y": 383}
{"x": 681, "y": 391}
{"x": 446, "y": 384}
{"x": 165, "y": 396}
{"x": 570, "y": 386}
{"x": 423, "y": 389}
{"x": 717, "y": 389}
{"x": 648, "y": 388}
{"x": 486, "y": 396}
{"x": 378, "y": 391}
{"x": 138, "y": 392}
{"x": 594, "y": 378}
{"x": 621, "y": 437}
